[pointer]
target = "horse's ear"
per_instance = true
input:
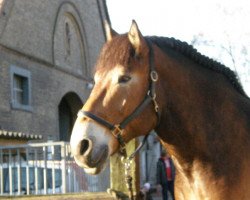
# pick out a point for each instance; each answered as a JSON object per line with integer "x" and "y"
{"x": 136, "y": 38}
{"x": 109, "y": 32}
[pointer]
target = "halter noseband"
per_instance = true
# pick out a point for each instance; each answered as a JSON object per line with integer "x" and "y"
{"x": 116, "y": 129}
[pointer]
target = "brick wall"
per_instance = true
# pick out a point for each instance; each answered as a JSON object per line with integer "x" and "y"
{"x": 34, "y": 37}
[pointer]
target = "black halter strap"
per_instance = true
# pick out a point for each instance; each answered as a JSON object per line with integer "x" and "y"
{"x": 149, "y": 97}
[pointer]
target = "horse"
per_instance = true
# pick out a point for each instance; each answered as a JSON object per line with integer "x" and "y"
{"x": 196, "y": 105}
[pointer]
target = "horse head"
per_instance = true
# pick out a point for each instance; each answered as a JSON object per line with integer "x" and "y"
{"x": 121, "y": 84}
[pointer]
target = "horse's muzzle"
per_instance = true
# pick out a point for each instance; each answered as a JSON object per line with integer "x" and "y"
{"x": 89, "y": 146}
{"x": 88, "y": 157}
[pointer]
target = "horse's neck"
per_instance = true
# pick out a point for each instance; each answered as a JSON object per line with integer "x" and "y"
{"x": 200, "y": 116}
{"x": 196, "y": 101}
{"x": 192, "y": 99}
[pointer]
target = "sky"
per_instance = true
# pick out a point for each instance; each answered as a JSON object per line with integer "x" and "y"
{"x": 220, "y": 25}
{"x": 181, "y": 18}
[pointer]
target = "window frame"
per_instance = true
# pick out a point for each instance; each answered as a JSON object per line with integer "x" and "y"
{"x": 24, "y": 74}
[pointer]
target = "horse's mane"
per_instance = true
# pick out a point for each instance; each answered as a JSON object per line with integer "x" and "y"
{"x": 189, "y": 51}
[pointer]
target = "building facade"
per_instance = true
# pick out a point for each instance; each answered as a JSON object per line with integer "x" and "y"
{"x": 47, "y": 51}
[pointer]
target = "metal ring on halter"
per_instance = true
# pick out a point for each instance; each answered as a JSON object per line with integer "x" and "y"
{"x": 154, "y": 76}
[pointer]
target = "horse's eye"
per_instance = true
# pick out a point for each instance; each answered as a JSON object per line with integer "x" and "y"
{"x": 124, "y": 79}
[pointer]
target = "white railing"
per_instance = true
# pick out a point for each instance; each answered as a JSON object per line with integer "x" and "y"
{"x": 44, "y": 168}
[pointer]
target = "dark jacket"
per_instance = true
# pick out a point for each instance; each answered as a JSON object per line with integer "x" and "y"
{"x": 161, "y": 175}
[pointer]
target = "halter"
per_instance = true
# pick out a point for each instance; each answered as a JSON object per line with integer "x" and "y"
{"x": 117, "y": 129}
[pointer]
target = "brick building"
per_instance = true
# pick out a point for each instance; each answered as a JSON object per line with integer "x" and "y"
{"x": 47, "y": 51}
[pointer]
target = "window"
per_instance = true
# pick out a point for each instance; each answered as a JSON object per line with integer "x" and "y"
{"x": 20, "y": 92}
{"x": 20, "y": 88}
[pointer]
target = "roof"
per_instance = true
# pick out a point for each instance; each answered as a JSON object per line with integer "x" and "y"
{"x": 19, "y": 135}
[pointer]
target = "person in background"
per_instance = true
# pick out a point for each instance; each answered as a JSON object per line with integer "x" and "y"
{"x": 165, "y": 175}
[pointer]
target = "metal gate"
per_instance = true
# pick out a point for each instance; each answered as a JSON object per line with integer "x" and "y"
{"x": 45, "y": 168}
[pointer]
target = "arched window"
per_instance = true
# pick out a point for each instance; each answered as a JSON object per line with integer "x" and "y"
{"x": 69, "y": 46}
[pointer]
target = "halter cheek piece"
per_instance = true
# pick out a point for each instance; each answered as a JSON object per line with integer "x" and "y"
{"x": 150, "y": 97}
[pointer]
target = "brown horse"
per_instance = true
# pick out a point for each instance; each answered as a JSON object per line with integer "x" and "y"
{"x": 203, "y": 114}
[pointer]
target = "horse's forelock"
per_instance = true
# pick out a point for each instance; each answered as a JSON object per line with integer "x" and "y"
{"x": 115, "y": 52}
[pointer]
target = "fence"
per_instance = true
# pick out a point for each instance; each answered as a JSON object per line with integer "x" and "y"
{"x": 45, "y": 168}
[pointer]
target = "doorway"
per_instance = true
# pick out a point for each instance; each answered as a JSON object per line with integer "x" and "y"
{"x": 68, "y": 108}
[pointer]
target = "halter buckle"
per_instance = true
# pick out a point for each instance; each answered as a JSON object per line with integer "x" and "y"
{"x": 117, "y": 129}
{"x": 117, "y": 133}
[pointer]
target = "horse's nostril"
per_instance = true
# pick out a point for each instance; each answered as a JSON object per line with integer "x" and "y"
{"x": 84, "y": 146}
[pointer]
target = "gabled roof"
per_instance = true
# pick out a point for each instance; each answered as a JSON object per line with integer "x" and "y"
{"x": 19, "y": 135}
